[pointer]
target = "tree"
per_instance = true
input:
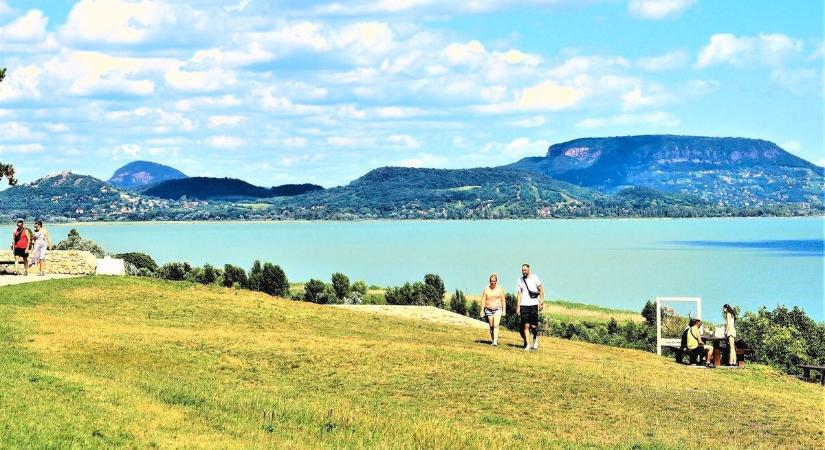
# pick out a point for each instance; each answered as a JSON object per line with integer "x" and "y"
{"x": 434, "y": 290}
{"x": 649, "y": 313}
{"x": 139, "y": 260}
{"x": 233, "y": 275}
{"x": 75, "y": 242}
{"x": 274, "y": 281}
{"x": 458, "y": 303}
{"x": 210, "y": 275}
{"x": 360, "y": 287}
{"x": 475, "y": 310}
{"x": 255, "y": 276}
{"x": 340, "y": 284}
{"x": 314, "y": 291}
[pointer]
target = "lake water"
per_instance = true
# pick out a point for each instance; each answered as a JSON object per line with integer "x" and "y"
{"x": 615, "y": 263}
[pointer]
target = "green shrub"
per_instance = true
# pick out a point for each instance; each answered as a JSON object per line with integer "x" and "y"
{"x": 340, "y": 284}
{"x": 783, "y": 337}
{"x": 475, "y": 310}
{"x": 255, "y": 275}
{"x": 75, "y": 242}
{"x": 314, "y": 291}
{"x": 360, "y": 287}
{"x": 210, "y": 274}
{"x": 458, "y": 303}
{"x": 273, "y": 280}
{"x": 234, "y": 275}
{"x": 175, "y": 271}
{"x": 434, "y": 290}
{"x": 139, "y": 260}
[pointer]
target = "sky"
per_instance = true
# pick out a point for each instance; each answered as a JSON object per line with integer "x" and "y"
{"x": 292, "y": 91}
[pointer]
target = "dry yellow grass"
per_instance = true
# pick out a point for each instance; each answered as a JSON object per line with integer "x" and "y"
{"x": 99, "y": 362}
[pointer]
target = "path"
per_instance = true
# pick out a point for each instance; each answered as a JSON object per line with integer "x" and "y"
{"x": 8, "y": 280}
{"x": 426, "y": 313}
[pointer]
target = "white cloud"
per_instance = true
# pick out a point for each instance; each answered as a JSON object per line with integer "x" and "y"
{"x": 636, "y": 99}
{"x": 820, "y": 162}
{"x": 92, "y": 73}
{"x": 588, "y": 65}
{"x": 5, "y": 8}
{"x": 226, "y": 142}
{"x": 346, "y": 141}
{"x": 791, "y": 146}
{"x": 676, "y": 59}
{"x": 296, "y": 142}
{"x": 57, "y": 127}
{"x": 658, "y": 9}
{"x": 16, "y": 131}
{"x": 29, "y": 28}
{"x": 529, "y": 122}
{"x": 200, "y": 80}
{"x": 425, "y": 160}
{"x": 117, "y": 21}
{"x": 764, "y": 49}
{"x": 217, "y": 121}
{"x": 21, "y": 83}
{"x": 125, "y": 150}
{"x": 549, "y": 95}
{"x": 798, "y": 81}
{"x": 659, "y": 119}
{"x": 21, "y": 148}
{"x": 404, "y": 140}
{"x": 523, "y": 146}
{"x": 224, "y": 101}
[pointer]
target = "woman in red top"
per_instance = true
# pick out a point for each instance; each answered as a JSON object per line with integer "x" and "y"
{"x": 20, "y": 246}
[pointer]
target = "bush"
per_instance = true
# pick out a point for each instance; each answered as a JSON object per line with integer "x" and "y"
{"x": 273, "y": 280}
{"x": 475, "y": 310}
{"x": 175, "y": 271}
{"x": 144, "y": 272}
{"x": 360, "y": 287}
{"x": 649, "y": 313}
{"x": 75, "y": 242}
{"x": 139, "y": 260}
{"x": 354, "y": 298}
{"x": 234, "y": 275}
{"x": 783, "y": 337}
{"x": 434, "y": 290}
{"x": 458, "y": 303}
{"x": 407, "y": 294}
{"x": 314, "y": 291}
{"x": 210, "y": 275}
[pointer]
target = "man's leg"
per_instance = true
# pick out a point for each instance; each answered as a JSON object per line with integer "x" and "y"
{"x": 25, "y": 265}
{"x": 525, "y": 330}
{"x": 534, "y": 330}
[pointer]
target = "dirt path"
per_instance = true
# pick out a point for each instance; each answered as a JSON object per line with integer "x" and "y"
{"x": 426, "y": 313}
{"x": 8, "y": 280}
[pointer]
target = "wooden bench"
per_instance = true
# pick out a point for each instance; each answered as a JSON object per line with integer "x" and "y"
{"x": 808, "y": 368}
{"x": 682, "y": 352}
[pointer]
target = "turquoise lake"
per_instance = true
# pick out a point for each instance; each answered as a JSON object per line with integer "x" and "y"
{"x": 614, "y": 263}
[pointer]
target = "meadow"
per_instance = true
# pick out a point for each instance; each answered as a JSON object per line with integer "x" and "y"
{"x": 141, "y": 363}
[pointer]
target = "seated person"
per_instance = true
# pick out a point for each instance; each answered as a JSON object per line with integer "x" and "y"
{"x": 695, "y": 344}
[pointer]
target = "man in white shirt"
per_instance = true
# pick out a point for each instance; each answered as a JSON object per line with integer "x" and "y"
{"x": 529, "y": 303}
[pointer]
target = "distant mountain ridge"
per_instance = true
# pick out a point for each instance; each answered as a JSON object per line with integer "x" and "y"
{"x": 142, "y": 174}
{"x": 208, "y": 188}
{"x": 732, "y": 171}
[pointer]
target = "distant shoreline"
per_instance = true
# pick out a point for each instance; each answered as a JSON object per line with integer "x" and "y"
{"x": 295, "y": 221}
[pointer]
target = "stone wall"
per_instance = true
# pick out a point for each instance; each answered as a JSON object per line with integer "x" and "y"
{"x": 68, "y": 262}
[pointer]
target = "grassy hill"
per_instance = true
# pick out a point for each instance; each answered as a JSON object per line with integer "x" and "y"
{"x": 106, "y": 362}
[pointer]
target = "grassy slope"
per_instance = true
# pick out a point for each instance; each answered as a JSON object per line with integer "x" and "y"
{"x": 130, "y": 362}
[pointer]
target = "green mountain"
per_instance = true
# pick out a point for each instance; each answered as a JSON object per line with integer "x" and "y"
{"x": 72, "y": 196}
{"x": 142, "y": 174}
{"x": 729, "y": 171}
{"x": 228, "y": 189}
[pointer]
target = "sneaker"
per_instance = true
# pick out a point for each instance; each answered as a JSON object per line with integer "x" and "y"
{"x": 536, "y": 343}
{"x": 527, "y": 348}
{"x": 494, "y": 344}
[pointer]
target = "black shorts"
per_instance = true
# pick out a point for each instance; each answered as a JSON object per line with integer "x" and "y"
{"x": 21, "y": 252}
{"x": 530, "y": 315}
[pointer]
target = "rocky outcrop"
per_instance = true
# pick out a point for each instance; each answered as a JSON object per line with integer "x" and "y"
{"x": 69, "y": 262}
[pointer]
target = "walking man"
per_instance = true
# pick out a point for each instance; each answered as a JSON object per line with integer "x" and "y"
{"x": 529, "y": 303}
{"x": 20, "y": 246}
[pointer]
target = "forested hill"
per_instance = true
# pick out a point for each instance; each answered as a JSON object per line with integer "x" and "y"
{"x": 481, "y": 193}
{"x": 207, "y": 188}
{"x": 730, "y": 171}
{"x": 143, "y": 174}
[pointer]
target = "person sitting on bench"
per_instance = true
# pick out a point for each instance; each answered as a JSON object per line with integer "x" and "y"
{"x": 696, "y": 347}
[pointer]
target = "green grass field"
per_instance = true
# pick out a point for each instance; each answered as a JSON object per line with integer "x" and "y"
{"x": 126, "y": 362}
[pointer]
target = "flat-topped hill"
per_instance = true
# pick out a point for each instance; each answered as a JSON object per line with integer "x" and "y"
{"x": 105, "y": 362}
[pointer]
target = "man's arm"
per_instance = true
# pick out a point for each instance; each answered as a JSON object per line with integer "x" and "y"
{"x": 518, "y": 299}
{"x": 541, "y": 297}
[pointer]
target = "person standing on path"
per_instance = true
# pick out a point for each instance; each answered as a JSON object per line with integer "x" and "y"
{"x": 42, "y": 242}
{"x": 529, "y": 303}
{"x": 494, "y": 306}
{"x": 20, "y": 246}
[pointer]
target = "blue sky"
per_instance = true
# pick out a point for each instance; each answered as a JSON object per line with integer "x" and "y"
{"x": 281, "y": 92}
